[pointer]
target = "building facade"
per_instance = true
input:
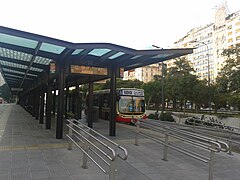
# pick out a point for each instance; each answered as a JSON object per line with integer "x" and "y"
{"x": 209, "y": 41}
{"x": 144, "y": 74}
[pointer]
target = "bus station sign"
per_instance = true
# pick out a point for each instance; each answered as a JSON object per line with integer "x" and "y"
{"x": 76, "y": 69}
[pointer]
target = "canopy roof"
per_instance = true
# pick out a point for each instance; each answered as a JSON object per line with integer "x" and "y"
{"x": 25, "y": 56}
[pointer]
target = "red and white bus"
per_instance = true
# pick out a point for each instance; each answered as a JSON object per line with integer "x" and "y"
{"x": 130, "y": 104}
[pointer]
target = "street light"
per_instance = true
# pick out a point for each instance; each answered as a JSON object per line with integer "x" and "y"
{"x": 209, "y": 93}
{"x": 163, "y": 100}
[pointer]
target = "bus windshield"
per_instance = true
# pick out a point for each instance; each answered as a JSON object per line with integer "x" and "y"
{"x": 129, "y": 105}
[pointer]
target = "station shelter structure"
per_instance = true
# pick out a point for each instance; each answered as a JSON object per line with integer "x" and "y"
{"x": 34, "y": 65}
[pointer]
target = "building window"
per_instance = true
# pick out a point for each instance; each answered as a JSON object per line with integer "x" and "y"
{"x": 238, "y": 31}
{"x": 237, "y": 38}
{"x": 230, "y": 40}
{"x": 238, "y": 23}
{"x": 230, "y": 33}
{"x": 229, "y": 27}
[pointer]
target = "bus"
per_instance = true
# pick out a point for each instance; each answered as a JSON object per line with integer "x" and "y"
{"x": 130, "y": 104}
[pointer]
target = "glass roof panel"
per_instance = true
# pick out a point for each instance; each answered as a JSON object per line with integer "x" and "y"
{"x": 99, "y": 52}
{"x": 116, "y": 55}
{"x": 34, "y": 75}
{"x": 161, "y": 56}
{"x": 42, "y": 60}
{"x": 8, "y": 53}
{"x": 15, "y": 76}
{"x": 77, "y": 51}
{"x": 135, "y": 57}
{"x": 52, "y": 48}
{"x": 35, "y": 69}
{"x": 11, "y": 64}
{"x": 13, "y": 40}
{"x": 12, "y": 71}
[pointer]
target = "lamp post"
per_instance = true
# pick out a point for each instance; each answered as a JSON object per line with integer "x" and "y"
{"x": 208, "y": 80}
{"x": 162, "y": 82}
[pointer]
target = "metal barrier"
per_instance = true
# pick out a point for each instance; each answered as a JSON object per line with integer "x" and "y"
{"x": 152, "y": 131}
{"x": 227, "y": 133}
{"x": 102, "y": 151}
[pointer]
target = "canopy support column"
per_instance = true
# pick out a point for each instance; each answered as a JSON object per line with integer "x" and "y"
{"x": 112, "y": 100}
{"x": 90, "y": 105}
{"x": 54, "y": 102}
{"x": 42, "y": 105}
{"x": 37, "y": 99}
{"x": 66, "y": 101}
{"x": 48, "y": 106}
{"x": 60, "y": 110}
{"x": 77, "y": 108}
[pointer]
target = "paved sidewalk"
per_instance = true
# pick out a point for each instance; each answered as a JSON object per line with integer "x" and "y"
{"x": 29, "y": 151}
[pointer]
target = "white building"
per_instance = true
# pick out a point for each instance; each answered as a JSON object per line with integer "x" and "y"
{"x": 144, "y": 74}
{"x": 210, "y": 41}
{"x": 233, "y": 29}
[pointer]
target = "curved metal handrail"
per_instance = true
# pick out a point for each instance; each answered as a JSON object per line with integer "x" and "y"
{"x": 192, "y": 135}
{"x": 83, "y": 133}
{"x": 125, "y": 153}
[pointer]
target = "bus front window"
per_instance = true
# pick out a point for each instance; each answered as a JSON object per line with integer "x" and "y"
{"x": 131, "y": 105}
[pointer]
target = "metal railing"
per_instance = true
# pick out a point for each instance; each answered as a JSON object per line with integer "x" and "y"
{"x": 225, "y": 133}
{"x": 153, "y": 130}
{"x": 102, "y": 151}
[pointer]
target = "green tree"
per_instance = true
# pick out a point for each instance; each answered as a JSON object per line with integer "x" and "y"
{"x": 180, "y": 81}
{"x": 228, "y": 79}
{"x": 200, "y": 93}
{"x": 152, "y": 93}
{"x": 124, "y": 84}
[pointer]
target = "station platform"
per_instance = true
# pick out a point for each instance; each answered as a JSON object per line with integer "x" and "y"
{"x": 29, "y": 151}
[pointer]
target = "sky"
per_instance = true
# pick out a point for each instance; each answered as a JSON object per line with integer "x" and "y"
{"x": 136, "y": 24}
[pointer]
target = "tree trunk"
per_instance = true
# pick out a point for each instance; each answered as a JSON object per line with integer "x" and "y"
{"x": 184, "y": 106}
{"x": 149, "y": 100}
{"x": 175, "y": 104}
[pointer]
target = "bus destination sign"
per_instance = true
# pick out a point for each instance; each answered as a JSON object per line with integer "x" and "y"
{"x": 132, "y": 92}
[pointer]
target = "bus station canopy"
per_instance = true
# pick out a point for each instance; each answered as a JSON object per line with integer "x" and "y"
{"x": 24, "y": 57}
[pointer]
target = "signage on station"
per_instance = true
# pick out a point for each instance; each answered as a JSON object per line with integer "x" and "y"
{"x": 52, "y": 67}
{"x": 76, "y": 69}
{"x": 121, "y": 72}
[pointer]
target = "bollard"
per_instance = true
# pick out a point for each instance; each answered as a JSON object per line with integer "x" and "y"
{"x": 137, "y": 132}
{"x": 165, "y": 150}
{"x": 230, "y": 143}
{"x": 70, "y": 133}
{"x": 112, "y": 170}
{"x": 211, "y": 164}
{"x": 85, "y": 152}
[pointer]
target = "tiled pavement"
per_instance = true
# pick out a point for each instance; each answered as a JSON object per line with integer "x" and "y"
{"x": 29, "y": 151}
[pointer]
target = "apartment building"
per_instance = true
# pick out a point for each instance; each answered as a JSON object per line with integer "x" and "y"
{"x": 144, "y": 74}
{"x": 208, "y": 40}
{"x": 233, "y": 29}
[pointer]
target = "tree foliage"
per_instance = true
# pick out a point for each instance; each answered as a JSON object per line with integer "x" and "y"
{"x": 153, "y": 92}
{"x": 231, "y": 70}
{"x": 228, "y": 80}
{"x": 180, "y": 81}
